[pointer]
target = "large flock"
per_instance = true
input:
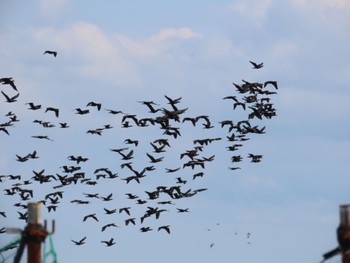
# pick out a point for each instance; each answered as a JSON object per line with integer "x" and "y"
{"x": 251, "y": 98}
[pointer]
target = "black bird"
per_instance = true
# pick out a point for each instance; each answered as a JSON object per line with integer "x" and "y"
{"x": 94, "y": 104}
{"x": 256, "y": 65}
{"x": 32, "y": 106}
{"x": 51, "y": 207}
{"x": 22, "y": 216}
{"x": 255, "y": 158}
{"x": 114, "y": 112}
{"x": 8, "y": 81}
{"x": 54, "y": 53}
{"x": 93, "y": 216}
{"x": 125, "y": 209}
{"x": 127, "y": 156}
{"x": 145, "y": 229}
{"x": 80, "y": 242}
{"x": 81, "y": 112}
{"x": 180, "y": 180}
{"x": 42, "y": 137}
{"x": 108, "y": 225}
{"x": 130, "y": 220}
{"x": 130, "y": 116}
{"x": 55, "y": 110}
{"x": 172, "y": 102}
{"x": 150, "y": 104}
{"x": 22, "y": 159}
{"x": 166, "y": 228}
{"x": 107, "y": 198}
{"x": 109, "y": 212}
{"x": 272, "y": 82}
{"x": 158, "y": 149}
{"x": 130, "y": 141}
{"x": 109, "y": 242}
{"x": 168, "y": 170}
{"x": 181, "y": 210}
{"x": 131, "y": 196}
{"x": 4, "y": 130}
{"x": 200, "y": 174}
{"x": 153, "y": 159}
{"x": 10, "y": 99}
{"x": 239, "y": 104}
{"x": 192, "y": 120}
{"x": 234, "y": 168}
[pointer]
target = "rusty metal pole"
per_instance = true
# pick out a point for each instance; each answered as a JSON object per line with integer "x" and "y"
{"x": 35, "y": 233}
{"x": 343, "y": 233}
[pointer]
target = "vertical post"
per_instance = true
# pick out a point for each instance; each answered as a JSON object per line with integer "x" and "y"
{"x": 343, "y": 233}
{"x": 35, "y": 233}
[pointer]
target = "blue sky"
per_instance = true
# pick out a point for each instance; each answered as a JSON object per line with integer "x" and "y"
{"x": 119, "y": 53}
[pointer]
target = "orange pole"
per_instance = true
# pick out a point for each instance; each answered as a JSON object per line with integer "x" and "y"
{"x": 35, "y": 233}
{"x": 343, "y": 233}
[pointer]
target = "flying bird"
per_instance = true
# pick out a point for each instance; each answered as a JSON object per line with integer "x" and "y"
{"x": 256, "y": 65}
{"x": 108, "y": 225}
{"x": 55, "y": 110}
{"x": 10, "y": 99}
{"x": 93, "y": 216}
{"x": 50, "y": 52}
{"x": 8, "y": 81}
{"x": 271, "y": 82}
{"x": 80, "y": 242}
{"x": 94, "y": 104}
{"x": 32, "y": 106}
{"x": 109, "y": 242}
{"x": 166, "y": 228}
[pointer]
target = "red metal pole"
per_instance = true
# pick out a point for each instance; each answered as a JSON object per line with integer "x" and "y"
{"x": 343, "y": 233}
{"x": 35, "y": 233}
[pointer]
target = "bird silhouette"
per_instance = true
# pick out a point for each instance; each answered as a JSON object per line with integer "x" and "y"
{"x": 94, "y": 104}
{"x": 80, "y": 242}
{"x": 166, "y": 228}
{"x": 256, "y": 65}
{"x": 93, "y": 216}
{"x": 10, "y": 99}
{"x": 109, "y": 242}
{"x": 55, "y": 110}
{"x": 9, "y": 81}
{"x": 50, "y": 52}
{"x": 32, "y": 106}
{"x": 108, "y": 225}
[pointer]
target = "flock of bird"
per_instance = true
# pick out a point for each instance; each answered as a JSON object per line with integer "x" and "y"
{"x": 252, "y": 98}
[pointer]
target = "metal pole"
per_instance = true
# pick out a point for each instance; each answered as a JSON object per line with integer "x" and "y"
{"x": 343, "y": 233}
{"x": 35, "y": 233}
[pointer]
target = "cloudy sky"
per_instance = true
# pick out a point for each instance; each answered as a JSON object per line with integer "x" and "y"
{"x": 118, "y": 53}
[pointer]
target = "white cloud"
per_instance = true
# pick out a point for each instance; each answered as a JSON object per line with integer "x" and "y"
{"x": 96, "y": 55}
{"x": 114, "y": 58}
{"x": 183, "y": 33}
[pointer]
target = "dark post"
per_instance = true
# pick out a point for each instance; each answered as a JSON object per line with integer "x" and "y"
{"x": 343, "y": 233}
{"x": 35, "y": 233}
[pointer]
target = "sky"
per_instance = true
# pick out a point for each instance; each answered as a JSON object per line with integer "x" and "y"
{"x": 118, "y": 53}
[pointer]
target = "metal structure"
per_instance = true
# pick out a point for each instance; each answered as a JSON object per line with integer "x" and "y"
{"x": 343, "y": 236}
{"x": 33, "y": 235}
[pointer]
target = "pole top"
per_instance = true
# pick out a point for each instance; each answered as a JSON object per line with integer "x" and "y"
{"x": 34, "y": 213}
